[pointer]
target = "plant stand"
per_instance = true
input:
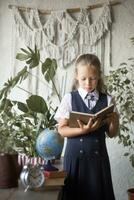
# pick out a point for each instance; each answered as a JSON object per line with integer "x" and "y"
{"x": 130, "y": 194}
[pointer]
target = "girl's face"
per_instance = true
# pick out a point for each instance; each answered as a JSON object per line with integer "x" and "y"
{"x": 87, "y": 77}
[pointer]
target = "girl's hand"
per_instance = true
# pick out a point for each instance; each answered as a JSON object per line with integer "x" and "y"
{"x": 96, "y": 124}
{"x": 113, "y": 123}
{"x": 90, "y": 126}
{"x": 66, "y": 131}
{"x": 112, "y": 118}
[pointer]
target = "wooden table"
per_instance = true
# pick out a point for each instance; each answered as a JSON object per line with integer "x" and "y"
{"x": 19, "y": 194}
{"x": 45, "y": 193}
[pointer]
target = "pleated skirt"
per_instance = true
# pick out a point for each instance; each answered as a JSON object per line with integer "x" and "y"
{"x": 89, "y": 177}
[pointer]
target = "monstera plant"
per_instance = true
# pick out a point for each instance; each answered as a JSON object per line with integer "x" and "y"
{"x": 36, "y": 114}
{"x": 22, "y": 122}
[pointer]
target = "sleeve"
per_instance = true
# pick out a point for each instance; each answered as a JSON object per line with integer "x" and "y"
{"x": 64, "y": 108}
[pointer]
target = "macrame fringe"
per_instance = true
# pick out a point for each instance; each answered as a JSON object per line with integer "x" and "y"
{"x": 61, "y": 34}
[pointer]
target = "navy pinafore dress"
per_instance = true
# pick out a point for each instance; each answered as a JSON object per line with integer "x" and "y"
{"x": 86, "y": 160}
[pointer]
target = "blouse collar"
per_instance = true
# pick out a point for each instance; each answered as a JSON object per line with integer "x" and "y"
{"x": 83, "y": 93}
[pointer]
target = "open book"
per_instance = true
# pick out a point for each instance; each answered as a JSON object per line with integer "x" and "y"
{"x": 84, "y": 117}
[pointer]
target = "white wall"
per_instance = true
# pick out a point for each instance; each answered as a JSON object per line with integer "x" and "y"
{"x": 122, "y": 30}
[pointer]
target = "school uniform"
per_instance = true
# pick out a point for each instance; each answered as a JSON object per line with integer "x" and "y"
{"x": 86, "y": 159}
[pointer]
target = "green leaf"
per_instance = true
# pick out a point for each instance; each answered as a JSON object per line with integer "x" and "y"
{"x": 32, "y": 52}
{"x": 35, "y": 57}
{"x": 34, "y": 63}
{"x": 12, "y": 82}
{"x": 46, "y": 65}
{"x": 22, "y": 57}
{"x": 25, "y": 51}
{"x": 37, "y": 104}
{"x": 31, "y": 57}
{"x": 126, "y": 154}
{"x": 49, "y": 68}
{"x": 5, "y": 104}
{"x": 29, "y": 61}
{"x": 123, "y": 64}
{"x": 127, "y": 81}
{"x": 22, "y": 106}
{"x": 22, "y": 75}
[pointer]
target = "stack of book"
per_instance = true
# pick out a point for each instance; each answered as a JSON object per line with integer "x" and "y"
{"x": 55, "y": 178}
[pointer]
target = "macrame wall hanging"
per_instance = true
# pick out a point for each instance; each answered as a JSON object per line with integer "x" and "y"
{"x": 61, "y": 36}
{"x": 64, "y": 37}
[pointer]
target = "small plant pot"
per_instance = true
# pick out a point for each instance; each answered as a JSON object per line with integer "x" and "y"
{"x": 130, "y": 194}
{"x": 9, "y": 170}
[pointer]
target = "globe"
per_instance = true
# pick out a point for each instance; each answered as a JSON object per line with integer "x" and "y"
{"x": 49, "y": 145}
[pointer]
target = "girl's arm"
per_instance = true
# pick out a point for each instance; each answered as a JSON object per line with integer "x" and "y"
{"x": 113, "y": 119}
{"x": 113, "y": 124}
{"x": 66, "y": 131}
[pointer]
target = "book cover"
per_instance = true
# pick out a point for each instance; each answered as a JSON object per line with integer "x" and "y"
{"x": 55, "y": 174}
{"x": 84, "y": 117}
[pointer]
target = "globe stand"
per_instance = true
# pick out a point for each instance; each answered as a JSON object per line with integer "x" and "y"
{"x": 49, "y": 167}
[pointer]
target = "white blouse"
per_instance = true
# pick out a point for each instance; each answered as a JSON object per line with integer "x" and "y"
{"x": 65, "y": 106}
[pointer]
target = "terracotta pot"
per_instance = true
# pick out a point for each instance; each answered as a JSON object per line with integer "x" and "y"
{"x": 9, "y": 170}
{"x": 130, "y": 193}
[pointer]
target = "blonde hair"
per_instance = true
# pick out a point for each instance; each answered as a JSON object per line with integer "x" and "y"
{"x": 89, "y": 60}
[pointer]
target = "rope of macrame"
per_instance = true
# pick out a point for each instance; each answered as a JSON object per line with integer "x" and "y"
{"x": 100, "y": 26}
{"x": 22, "y": 29}
{"x": 70, "y": 35}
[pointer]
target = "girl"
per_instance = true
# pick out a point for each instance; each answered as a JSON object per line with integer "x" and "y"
{"x": 86, "y": 159}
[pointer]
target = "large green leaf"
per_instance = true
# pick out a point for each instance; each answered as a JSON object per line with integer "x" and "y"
{"x": 37, "y": 104}
{"x": 31, "y": 57}
{"x": 49, "y": 69}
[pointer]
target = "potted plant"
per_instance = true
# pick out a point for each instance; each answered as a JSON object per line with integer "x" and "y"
{"x": 120, "y": 83}
{"x": 36, "y": 113}
{"x": 9, "y": 168}
{"x": 38, "y": 105}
